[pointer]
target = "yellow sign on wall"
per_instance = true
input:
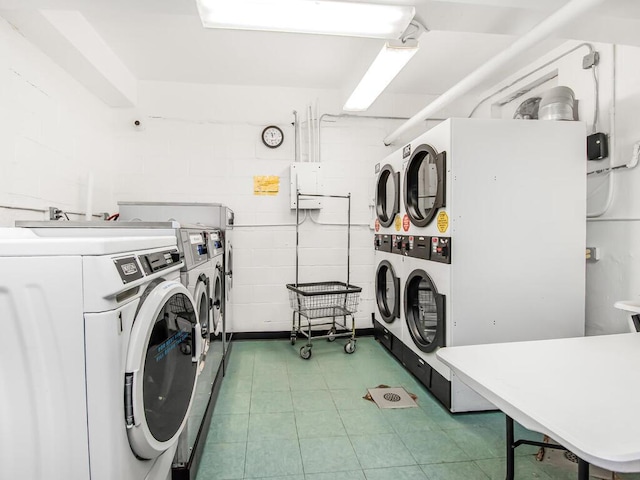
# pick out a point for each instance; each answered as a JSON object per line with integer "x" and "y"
{"x": 266, "y": 185}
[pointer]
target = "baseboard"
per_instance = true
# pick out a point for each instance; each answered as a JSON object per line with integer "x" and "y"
{"x": 360, "y": 332}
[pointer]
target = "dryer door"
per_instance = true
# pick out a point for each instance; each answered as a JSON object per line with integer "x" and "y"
{"x": 387, "y": 195}
{"x": 161, "y": 369}
{"x": 424, "y": 311}
{"x": 424, "y": 185}
{"x": 387, "y": 292}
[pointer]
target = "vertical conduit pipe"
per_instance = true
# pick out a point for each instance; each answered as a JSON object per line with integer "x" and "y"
{"x": 538, "y": 33}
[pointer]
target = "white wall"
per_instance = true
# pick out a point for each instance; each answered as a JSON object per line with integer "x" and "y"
{"x": 617, "y": 275}
{"x": 53, "y": 134}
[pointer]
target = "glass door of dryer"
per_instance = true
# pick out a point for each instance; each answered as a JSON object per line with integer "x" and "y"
{"x": 387, "y": 292}
{"x": 387, "y": 196}
{"x": 424, "y": 185}
{"x": 424, "y": 311}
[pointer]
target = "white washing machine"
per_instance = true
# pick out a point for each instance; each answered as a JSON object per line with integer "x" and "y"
{"x": 103, "y": 343}
{"x": 200, "y": 250}
{"x": 388, "y": 319}
{"x": 501, "y": 258}
{"x": 215, "y": 215}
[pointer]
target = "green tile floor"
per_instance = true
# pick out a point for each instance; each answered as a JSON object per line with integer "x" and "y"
{"x": 281, "y": 417}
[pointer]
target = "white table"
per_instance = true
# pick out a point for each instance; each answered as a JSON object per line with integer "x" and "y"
{"x": 582, "y": 392}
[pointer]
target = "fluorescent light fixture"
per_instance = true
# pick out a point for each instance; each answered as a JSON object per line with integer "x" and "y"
{"x": 391, "y": 59}
{"x": 308, "y": 16}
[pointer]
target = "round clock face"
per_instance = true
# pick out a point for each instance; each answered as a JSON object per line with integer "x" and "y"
{"x": 272, "y": 137}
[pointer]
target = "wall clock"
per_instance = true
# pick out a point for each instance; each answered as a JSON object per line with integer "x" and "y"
{"x": 272, "y": 136}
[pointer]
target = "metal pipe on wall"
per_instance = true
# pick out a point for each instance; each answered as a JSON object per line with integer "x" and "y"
{"x": 538, "y": 33}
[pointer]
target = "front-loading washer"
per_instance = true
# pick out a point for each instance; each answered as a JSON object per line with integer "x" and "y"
{"x": 103, "y": 342}
{"x": 499, "y": 259}
{"x": 212, "y": 215}
{"x": 200, "y": 251}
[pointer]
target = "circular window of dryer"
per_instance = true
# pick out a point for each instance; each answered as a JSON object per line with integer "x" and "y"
{"x": 161, "y": 368}
{"x": 387, "y": 195}
{"x": 387, "y": 292}
{"x": 424, "y": 311}
{"x": 424, "y": 185}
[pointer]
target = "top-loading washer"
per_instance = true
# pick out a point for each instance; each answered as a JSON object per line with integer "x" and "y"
{"x": 502, "y": 259}
{"x": 104, "y": 345}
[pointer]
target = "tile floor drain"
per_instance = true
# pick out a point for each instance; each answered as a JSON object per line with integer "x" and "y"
{"x": 392, "y": 397}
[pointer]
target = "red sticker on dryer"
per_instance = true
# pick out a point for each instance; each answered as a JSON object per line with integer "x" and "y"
{"x": 405, "y": 223}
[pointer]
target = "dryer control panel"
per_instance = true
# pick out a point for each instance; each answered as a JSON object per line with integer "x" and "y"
{"x": 436, "y": 249}
{"x": 382, "y": 242}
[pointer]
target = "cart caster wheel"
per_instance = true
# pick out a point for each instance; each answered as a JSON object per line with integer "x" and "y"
{"x": 350, "y": 347}
{"x": 305, "y": 353}
{"x": 185, "y": 348}
{"x": 293, "y": 340}
{"x": 331, "y": 335}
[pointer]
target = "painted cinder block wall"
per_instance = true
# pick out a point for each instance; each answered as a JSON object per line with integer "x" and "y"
{"x": 53, "y": 135}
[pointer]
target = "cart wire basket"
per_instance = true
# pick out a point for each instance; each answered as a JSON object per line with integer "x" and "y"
{"x": 324, "y": 299}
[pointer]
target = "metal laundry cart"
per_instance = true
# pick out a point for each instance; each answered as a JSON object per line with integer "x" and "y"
{"x": 321, "y": 304}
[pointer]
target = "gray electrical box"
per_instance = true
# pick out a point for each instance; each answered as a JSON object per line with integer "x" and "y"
{"x": 306, "y": 178}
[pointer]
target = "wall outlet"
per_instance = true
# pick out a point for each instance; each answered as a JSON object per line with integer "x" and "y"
{"x": 592, "y": 254}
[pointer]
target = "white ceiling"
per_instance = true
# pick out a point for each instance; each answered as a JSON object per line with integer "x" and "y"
{"x": 164, "y": 40}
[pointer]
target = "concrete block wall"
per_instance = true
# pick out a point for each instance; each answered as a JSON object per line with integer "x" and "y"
{"x": 54, "y": 135}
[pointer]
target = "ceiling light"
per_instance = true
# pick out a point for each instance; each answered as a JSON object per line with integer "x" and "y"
{"x": 391, "y": 59}
{"x": 308, "y": 16}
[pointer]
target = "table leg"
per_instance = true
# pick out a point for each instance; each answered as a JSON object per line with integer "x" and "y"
{"x": 583, "y": 470}
{"x": 510, "y": 449}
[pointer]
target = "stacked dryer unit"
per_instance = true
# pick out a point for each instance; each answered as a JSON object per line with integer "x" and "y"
{"x": 494, "y": 247}
{"x": 103, "y": 346}
{"x": 388, "y": 319}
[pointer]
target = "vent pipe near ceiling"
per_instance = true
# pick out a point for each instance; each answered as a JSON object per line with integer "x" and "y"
{"x": 540, "y": 32}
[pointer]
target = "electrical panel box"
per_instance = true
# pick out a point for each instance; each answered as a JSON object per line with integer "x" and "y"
{"x": 307, "y": 179}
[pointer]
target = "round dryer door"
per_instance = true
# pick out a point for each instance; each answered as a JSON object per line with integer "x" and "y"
{"x": 217, "y": 298}
{"x": 387, "y": 292}
{"x": 424, "y": 311}
{"x": 424, "y": 185}
{"x": 161, "y": 369}
{"x": 387, "y": 195}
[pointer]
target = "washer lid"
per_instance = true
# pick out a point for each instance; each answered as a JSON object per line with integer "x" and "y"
{"x": 19, "y": 242}
{"x": 161, "y": 368}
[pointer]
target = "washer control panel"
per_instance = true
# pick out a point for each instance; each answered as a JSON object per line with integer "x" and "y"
{"x": 441, "y": 249}
{"x": 155, "y": 262}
